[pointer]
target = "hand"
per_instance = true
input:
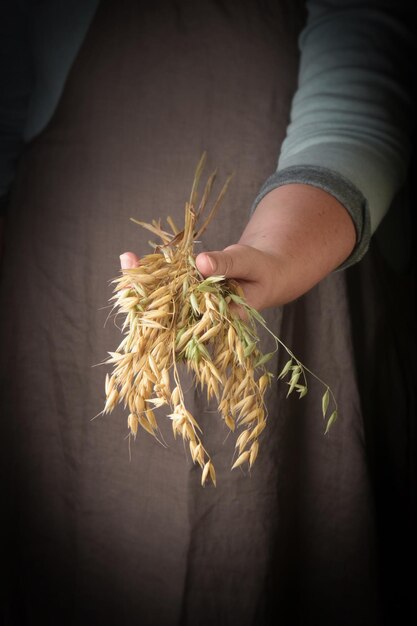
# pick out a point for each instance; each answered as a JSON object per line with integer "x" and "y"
{"x": 257, "y": 271}
{"x": 297, "y": 235}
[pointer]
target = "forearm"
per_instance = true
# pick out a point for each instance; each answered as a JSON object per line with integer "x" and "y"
{"x": 306, "y": 231}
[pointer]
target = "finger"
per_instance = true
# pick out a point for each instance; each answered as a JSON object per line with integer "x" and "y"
{"x": 237, "y": 261}
{"x": 128, "y": 260}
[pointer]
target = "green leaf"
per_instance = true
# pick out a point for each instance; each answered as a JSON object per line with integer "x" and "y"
{"x": 325, "y": 401}
{"x": 331, "y": 421}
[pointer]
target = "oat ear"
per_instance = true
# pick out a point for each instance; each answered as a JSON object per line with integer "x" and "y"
{"x": 173, "y": 318}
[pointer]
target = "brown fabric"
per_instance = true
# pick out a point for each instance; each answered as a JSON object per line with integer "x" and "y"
{"x": 96, "y": 538}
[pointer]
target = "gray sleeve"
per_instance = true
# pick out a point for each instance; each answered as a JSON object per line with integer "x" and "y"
{"x": 351, "y": 115}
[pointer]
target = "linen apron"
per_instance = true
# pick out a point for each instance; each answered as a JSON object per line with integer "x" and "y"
{"x": 100, "y": 535}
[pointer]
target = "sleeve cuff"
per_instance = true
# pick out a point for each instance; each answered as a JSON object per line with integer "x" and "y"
{"x": 336, "y": 185}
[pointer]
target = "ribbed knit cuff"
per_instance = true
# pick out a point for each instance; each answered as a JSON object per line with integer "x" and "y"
{"x": 336, "y": 185}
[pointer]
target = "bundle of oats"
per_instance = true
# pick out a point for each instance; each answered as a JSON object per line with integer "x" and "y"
{"x": 174, "y": 318}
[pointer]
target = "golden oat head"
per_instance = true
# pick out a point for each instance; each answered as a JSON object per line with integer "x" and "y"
{"x": 176, "y": 318}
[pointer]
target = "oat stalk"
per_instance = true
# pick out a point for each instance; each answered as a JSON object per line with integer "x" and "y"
{"x": 175, "y": 318}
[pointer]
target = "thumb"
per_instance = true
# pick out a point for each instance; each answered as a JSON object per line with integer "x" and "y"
{"x": 237, "y": 261}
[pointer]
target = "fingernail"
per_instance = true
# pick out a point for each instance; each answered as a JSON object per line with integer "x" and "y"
{"x": 212, "y": 263}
